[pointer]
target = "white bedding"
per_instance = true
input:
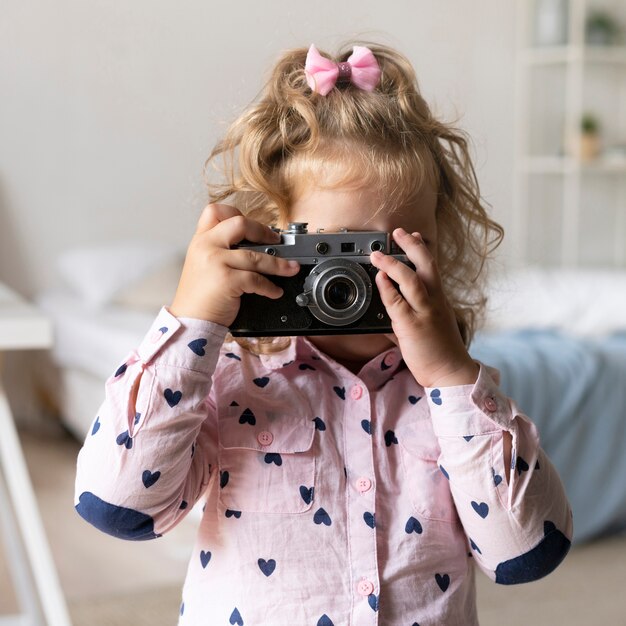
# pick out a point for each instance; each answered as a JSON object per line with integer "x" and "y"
{"x": 589, "y": 302}
{"x": 92, "y": 340}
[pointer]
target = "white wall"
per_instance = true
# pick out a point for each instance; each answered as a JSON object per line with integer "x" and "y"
{"x": 109, "y": 108}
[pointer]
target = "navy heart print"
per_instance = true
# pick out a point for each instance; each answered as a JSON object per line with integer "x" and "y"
{"x": 306, "y": 493}
{"x": 474, "y": 546}
{"x": 274, "y": 457}
{"x": 172, "y": 397}
{"x": 231, "y": 513}
{"x": 124, "y": 439}
{"x": 319, "y": 423}
{"x": 120, "y": 370}
{"x": 468, "y": 437}
{"x": 414, "y": 399}
{"x": 231, "y": 355}
{"x": 149, "y": 478}
{"x": 435, "y": 396}
{"x": 497, "y": 479}
{"x": 224, "y": 476}
{"x": 444, "y": 472}
{"x": 305, "y": 366}
{"x": 267, "y": 567}
{"x": 325, "y": 621}
{"x": 137, "y": 418}
{"x": 247, "y": 417}
{"x": 413, "y": 526}
{"x": 321, "y": 517}
{"x": 369, "y": 518}
{"x": 372, "y": 600}
{"x": 197, "y": 346}
{"x": 183, "y": 505}
{"x": 366, "y": 425}
{"x": 340, "y": 391}
{"x": 521, "y": 465}
{"x": 205, "y": 557}
{"x": 96, "y": 426}
{"x": 390, "y": 438}
{"x": 482, "y": 509}
{"x": 443, "y": 581}
{"x": 235, "y": 618}
{"x": 261, "y": 382}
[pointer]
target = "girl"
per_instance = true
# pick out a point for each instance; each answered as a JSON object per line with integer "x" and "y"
{"x": 350, "y": 479}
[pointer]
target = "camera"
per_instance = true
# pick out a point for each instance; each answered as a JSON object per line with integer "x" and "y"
{"x": 334, "y": 293}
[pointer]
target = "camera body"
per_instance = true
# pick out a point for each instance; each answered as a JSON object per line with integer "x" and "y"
{"x": 334, "y": 293}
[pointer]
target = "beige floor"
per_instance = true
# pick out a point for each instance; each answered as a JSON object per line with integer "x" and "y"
{"x": 108, "y": 582}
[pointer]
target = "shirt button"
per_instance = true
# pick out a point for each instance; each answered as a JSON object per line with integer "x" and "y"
{"x": 365, "y": 587}
{"x": 363, "y": 484}
{"x": 490, "y": 405}
{"x": 265, "y": 438}
{"x": 356, "y": 392}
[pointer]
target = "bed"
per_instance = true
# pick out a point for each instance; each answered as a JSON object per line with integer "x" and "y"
{"x": 558, "y": 338}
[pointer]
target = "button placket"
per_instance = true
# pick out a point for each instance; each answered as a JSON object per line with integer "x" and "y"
{"x": 360, "y": 449}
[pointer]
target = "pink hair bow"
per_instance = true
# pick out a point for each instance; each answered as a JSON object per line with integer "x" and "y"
{"x": 361, "y": 69}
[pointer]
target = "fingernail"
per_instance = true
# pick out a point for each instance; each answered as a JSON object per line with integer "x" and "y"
{"x": 293, "y": 264}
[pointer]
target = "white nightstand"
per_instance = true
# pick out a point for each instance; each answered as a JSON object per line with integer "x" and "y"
{"x": 23, "y": 327}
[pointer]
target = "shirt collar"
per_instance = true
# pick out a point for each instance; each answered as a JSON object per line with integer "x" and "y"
{"x": 377, "y": 371}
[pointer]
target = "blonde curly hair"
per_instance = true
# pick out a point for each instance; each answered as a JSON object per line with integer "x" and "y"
{"x": 385, "y": 139}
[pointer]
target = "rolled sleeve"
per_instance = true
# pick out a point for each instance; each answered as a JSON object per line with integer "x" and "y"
{"x": 465, "y": 410}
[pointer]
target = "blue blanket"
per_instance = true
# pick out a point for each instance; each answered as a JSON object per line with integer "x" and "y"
{"x": 575, "y": 391}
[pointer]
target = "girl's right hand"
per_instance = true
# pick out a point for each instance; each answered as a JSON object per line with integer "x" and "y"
{"x": 214, "y": 276}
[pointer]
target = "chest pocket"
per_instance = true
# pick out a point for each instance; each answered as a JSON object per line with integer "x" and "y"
{"x": 266, "y": 460}
{"x": 428, "y": 488}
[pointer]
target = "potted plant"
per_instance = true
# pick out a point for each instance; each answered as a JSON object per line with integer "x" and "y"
{"x": 601, "y": 28}
{"x": 589, "y": 140}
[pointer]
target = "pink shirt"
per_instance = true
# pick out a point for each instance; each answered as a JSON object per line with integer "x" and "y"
{"x": 331, "y": 498}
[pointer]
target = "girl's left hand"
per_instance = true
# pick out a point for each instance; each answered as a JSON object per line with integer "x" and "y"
{"x": 422, "y": 319}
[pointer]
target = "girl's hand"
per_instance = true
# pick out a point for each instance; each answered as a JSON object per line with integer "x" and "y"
{"x": 214, "y": 277}
{"x": 421, "y": 317}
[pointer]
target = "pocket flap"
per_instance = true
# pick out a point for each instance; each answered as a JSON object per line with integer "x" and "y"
{"x": 249, "y": 429}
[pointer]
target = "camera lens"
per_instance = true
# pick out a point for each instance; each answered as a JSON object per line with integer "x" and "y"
{"x": 340, "y": 293}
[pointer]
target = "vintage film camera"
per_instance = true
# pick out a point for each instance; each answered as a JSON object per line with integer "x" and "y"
{"x": 334, "y": 292}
